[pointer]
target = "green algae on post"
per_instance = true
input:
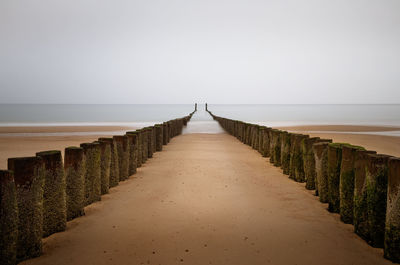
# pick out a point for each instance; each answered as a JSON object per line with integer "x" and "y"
{"x": 54, "y": 197}
{"x": 321, "y": 169}
{"x": 285, "y": 152}
{"x": 346, "y": 187}
{"x": 74, "y": 168}
{"x": 334, "y": 164}
{"x": 392, "y": 227}
{"x": 159, "y": 137}
{"x": 376, "y": 185}
{"x": 296, "y": 158}
{"x": 9, "y": 218}
{"x": 29, "y": 181}
{"x": 92, "y": 172}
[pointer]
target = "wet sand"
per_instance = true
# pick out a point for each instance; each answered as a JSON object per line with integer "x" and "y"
{"x": 208, "y": 199}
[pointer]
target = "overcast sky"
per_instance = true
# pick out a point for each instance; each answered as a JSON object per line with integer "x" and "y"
{"x": 183, "y": 51}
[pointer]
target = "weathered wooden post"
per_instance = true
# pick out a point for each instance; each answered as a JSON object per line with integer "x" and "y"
{"x": 159, "y": 137}
{"x": 145, "y": 145}
{"x": 285, "y": 152}
{"x": 321, "y": 169}
{"x": 105, "y": 165}
{"x": 275, "y": 148}
{"x": 360, "y": 217}
{"x": 165, "y": 133}
{"x": 133, "y": 143}
{"x": 261, "y": 144}
{"x": 154, "y": 138}
{"x": 121, "y": 142}
{"x": 296, "y": 158}
{"x": 334, "y": 164}
{"x": 29, "y": 180}
{"x": 9, "y": 219}
{"x": 347, "y": 172}
{"x": 54, "y": 196}
{"x": 114, "y": 162}
{"x": 309, "y": 160}
{"x": 149, "y": 142}
{"x": 92, "y": 172}
{"x": 376, "y": 180}
{"x": 392, "y": 227}
{"x": 74, "y": 167}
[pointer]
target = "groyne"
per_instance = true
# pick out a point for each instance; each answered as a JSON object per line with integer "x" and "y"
{"x": 361, "y": 186}
{"x": 39, "y": 194}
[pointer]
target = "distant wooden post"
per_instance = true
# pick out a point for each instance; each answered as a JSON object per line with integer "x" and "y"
{"x": 285, "y": 152}
{"x": 92, "y": 172}
{"x": 165, "y": 133}
{"x": 321, "y": 168}
{"x": 74, "y": 167}
{"x": 159, "y": 138}
{"x": 9, "y": 219}
{"x": 392, "y": 228}
{"x": 29, "y": 180}
{"x": 54, "y": 196}
{"x": 296, "y": 158}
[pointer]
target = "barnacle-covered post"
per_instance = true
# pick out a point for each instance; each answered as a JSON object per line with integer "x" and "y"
{"x": 29, "y": 180}
{"x": 74, "y": 168}
{"x": 114, "y": 162}
{"x": 54, "y": 193}
{"x": 9, "y": 218}
{"x": 121, "y": 142}
{"x": 92, "y": 172}
{"x": 392, "y": 228}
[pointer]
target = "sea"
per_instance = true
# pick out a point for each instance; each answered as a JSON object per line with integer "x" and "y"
{"x": 140, "y": 115}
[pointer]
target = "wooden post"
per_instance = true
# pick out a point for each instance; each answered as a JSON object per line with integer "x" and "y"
{"x": 334, "y": 164}
{"x": 114, "y": 162}
{"x": 92, "y": 172}
{"x": 105, "y": 165}
{"x": 9, "y": 219}
{"x": 159, "y": 137}
{"x": 347, "y": 173}
{"x": 29, "y": 180}
{"x": 54, "y": 193}
{"x": 376, "y": 184}
{"x": 321, "y": 168}
{"x": 392, "y": 228}
{"x": 133, "y": 142}
{"x": 74, "y": 167}
{"x": 360, "y": 217}
{"x": 121, "y": 142}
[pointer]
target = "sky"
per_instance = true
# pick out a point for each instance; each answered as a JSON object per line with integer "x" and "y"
{"x": 216, "y": 51}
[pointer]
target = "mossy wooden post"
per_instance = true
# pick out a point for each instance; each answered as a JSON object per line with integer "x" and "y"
{"x": 309, "y": 161}
{"x": 114, "y": 162}
{"x": 133, "y": 151}
{"x": 9, "y": 218}
{"x": 29, "y": 181}
{"x": 346, "y": 187}
{"x": 285, "y": 151}
{"x": 275, "y": 157}
{"x": 376, "y": 180}
{"x": 321, "y": 168}
{"x": 260, "y": 140}
{"x": 92, "y": 172}
{"x": 334, "y": 164}
{"x": 165, "y": 133}
{"x": 392, "y": 227}
{"x": 143, "y": 134}
{"x": 360, "y": 217}
{"x": 149, "y": 142}
{"x": 159, "y": 137}
{"x": 121, "y": 142}
{"x": 105, "y": 165}
{"x": 54, "y": 193}
{"x": 74, "y": 168}
{"x": 154, "y": 138}
{"x": 296, "y": 171}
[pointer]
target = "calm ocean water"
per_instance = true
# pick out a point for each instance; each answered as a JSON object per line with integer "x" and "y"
{"x": 142, "y": 115}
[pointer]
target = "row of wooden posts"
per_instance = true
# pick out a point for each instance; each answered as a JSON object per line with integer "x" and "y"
{"x": 39, "y": 194}
{"x": 360, "y": 185}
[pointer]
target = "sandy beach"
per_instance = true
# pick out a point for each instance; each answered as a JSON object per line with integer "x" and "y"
{"x": 206, "y": 199}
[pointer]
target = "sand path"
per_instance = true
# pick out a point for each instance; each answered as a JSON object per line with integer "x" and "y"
{"x": 208, "y": 199}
